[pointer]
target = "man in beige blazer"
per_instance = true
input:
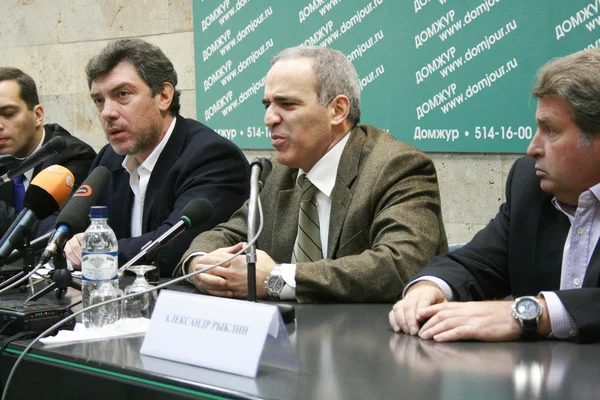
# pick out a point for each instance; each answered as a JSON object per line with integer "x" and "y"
{"x": 378, "y": 201}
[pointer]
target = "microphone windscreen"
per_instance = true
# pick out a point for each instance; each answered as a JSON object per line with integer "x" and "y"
{"x": 75, "y": 215}
{"x": 49, "y": 190}
{"x": 56, "y": 145}
{"x": 265, "y": 168}
{"x": 197, "y": 212}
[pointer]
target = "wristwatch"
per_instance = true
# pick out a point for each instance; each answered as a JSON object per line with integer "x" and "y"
{"x": 528, "y": 310}
{"x": 274, "y": 282}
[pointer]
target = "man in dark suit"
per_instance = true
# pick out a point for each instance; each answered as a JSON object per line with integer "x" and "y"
{"x": 158, "y": 160}
{"x": 370, "y": 216}
{"x": 542, "y": 245}
{"x": 22, "y": 132}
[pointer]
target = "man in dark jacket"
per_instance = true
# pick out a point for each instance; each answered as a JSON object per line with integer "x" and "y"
{"x": 22, "y": 132}
{"x": 158, "y": 160}
{"x": 542, "y": 246}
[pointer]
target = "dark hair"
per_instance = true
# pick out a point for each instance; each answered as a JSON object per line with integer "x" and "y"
{"x": 149, "y": 61}
{"x": 28, "y": 89}
{"x": 575, "y": 79}
{"x": 334, "y": 75}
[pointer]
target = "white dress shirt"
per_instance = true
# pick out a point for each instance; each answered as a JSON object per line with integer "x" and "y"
{"x": 139, "y": 176}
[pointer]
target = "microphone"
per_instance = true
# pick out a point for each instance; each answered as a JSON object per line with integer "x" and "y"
{"x": 36, "y": 245}
{"x": 260, "y": 168}
{"x": 264, "y": 167}
{"x": 48, "y": 191}
{"x": 194, "y": 214}
{"x": 7, "y": 160}
{"x": 54, "y": 146}
{"x": 74, "y": 217}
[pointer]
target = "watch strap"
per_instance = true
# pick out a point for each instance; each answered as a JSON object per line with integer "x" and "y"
{"x": 530, "y": 327}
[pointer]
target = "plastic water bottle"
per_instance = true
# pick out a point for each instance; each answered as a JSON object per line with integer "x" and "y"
{"x": 99, "y": 266}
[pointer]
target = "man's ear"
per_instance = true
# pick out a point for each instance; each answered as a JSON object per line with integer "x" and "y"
{"x": 339, "y": 109}
{"x": 38, "y": 112}
{"x": 166, "y": 96}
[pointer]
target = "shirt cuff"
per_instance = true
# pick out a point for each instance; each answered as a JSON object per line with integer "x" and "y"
{"x": 446, "y": 289}
{"x": 288, "y": 273}
{"x": 185, "y": 266}
{"x": 561, "y": 323}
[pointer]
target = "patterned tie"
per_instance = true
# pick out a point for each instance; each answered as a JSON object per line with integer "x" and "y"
{"x": 19, "y": 192}
{"x": 308, "y": 241}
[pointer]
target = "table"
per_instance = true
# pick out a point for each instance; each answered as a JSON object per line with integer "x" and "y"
{"x": 345, "y": 351}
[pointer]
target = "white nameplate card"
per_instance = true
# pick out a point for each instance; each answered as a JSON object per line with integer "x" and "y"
{"x": 222, "y": 334}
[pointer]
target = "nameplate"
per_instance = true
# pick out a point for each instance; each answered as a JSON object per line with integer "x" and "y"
{"x": 211, "y": 332}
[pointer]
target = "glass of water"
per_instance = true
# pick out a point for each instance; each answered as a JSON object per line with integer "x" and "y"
{"x": 141, "y": 305}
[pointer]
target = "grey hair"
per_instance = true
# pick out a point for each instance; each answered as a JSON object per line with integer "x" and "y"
{"x": 334, "y": 75}
{"x": 575, "y": 79}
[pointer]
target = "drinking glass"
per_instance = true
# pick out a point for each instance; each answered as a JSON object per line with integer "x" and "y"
{"x": 108, "y": 313}
{"x": 143, "y": 304}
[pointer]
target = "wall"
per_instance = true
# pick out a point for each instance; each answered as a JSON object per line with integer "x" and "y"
{"x": 52, "y": 40}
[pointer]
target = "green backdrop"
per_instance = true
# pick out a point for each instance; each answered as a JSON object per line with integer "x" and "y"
{"x": 443, "y": 75}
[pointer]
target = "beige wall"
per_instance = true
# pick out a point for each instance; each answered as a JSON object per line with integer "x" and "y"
{"x": 52, "y": 40}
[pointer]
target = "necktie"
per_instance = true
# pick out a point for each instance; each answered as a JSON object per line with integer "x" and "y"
{"x": 308, "y": 241}
{"x": 19, "y": 188}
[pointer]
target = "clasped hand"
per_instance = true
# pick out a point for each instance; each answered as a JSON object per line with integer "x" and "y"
{"x": 231, "y": 278}
{"x": 425, "y": 312}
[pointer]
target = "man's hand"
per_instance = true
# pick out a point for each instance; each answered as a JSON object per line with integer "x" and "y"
{"x": 73, "y": 250}
{"x": 489, "y": 321}
{"x": 231, "y": 278}
{"x": 406, "y": 314}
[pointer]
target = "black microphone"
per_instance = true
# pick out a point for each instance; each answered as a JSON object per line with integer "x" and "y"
{"x": 74, "y": 217}
{"x": 48, "y": 191}
{"x": 36, "y": 245}
{"x": 8, "y": 160}
{"x": 194, "y": 214}
{"x": 54, "y": 146}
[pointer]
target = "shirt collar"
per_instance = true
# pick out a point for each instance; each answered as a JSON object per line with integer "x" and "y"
{"x": 29, "y": 174}
{"x": 588, "y": 198}
{"x": 131, "y": 164}
{"x": 320, "y": 174}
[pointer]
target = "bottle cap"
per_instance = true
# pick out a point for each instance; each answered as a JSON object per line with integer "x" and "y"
{"x": 98, "y": 212}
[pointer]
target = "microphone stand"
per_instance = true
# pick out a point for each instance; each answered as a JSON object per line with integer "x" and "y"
{"x": 61, "y": 277}
{"x": 23, "y": 244}
{"x": 251, "y": 251}
{"x": 287, "y": 311}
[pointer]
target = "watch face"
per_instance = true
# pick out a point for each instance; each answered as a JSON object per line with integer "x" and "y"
{"x": 275, "y": 284}
{"x": 527, "y": 309}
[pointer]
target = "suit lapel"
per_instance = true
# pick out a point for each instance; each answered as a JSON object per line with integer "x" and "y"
{"x": 285, "y": 221}
{"x": 341, "y": 196}
{"x": 592, "y": 275}
{"x": 552, "y": 229}
{"x": 7, "y": 193}
{"x": 46, "y": 164}
{"x": 120, "y": 187}
{"x": 163, "y": 166}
